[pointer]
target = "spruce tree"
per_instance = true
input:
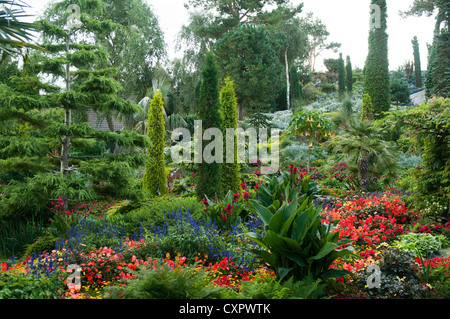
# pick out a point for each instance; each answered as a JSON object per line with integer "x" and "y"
{"x": 231, "y": 176}
{"x": 349, "y": 75}
{"x": 341, "y": 78}
{"x": 376, "y": 75}
{"x": 417, "y": 64}
{"x": 209, "y": 174}
{"x": 155, "y": 177}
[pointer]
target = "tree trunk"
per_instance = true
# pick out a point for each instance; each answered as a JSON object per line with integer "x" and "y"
{"x": 66, "y": 140}
{"x": 364, "y": 170}
{"x": 288, "y": 84}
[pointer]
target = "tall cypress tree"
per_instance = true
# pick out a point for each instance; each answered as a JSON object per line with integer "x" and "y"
{"x": 417, "y": 64}
{"x": 438, "y": 72}
{"x": 376, "y": 78}
{"x": 155, "y": 177}
{"x": 341, "y": 79}
{"x": 231, "y": 176}
{"x": 349, "y": 75}
{"x": 209, "y": 174}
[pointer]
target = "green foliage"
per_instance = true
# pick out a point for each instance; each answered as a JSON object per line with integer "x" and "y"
{"x": 286, "y": 187}
{"x": 349, "y": 75}
{"x": 417, "y": 64}
{"x": 376, "y": 79}
{"x": 428, "y": 125}
{"x": 46, "y": 243}
{"x": 228, "y": 212}
{"x": 362, "y": 147}
{"x": 30, "y": 286}
{"x": 342, "y": 75}
{"x": 150, "y": 212}
{"x": 271, "y": 288}
{"x": 311, "y": 125}
{"x": 421, "y": 243}
{"x": 400, "y": 93}
{"x": 367, "y": 107}
{"x": 155, "y": 177}
{"x": 231, "y": 177}
{"x": 263, "y": 78}
{"x": 16, "y": 234}
{"x": 437, "y": 81}
{"x": 209, "y": 174}
{"x": 295, "y": 243}
{"x": 166, "y": 282}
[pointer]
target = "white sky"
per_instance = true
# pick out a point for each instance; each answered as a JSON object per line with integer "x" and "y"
{"x": 346, "y": 20}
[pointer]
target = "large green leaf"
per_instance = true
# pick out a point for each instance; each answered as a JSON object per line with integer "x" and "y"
{"x": 325, "y": 250}
{"x": 263, "y": 212}
{"x": 335, "y": 273}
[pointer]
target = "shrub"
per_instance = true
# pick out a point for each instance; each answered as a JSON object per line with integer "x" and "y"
{"x": 43, "y": 243}
{"x": 150, "y": 213}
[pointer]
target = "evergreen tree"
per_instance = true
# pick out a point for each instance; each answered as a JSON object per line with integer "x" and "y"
{"x": 341, "y": 78}
{"x": 417, "y": 64}
{"x": 155, "y": 178}
{"x": 349, "y": 75}
{"x": 400, "y": 91}
{"x": 367, "y": 107}
{"x": 209, "y": 174}
{"x": 438, "y": 71}
{"x": 62, "y": 147}
{"x": 231, "y": 176}
{"x": 376, "y": 75}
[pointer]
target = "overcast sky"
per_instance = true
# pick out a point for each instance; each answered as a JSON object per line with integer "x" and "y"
{"x": 346, "y": 20}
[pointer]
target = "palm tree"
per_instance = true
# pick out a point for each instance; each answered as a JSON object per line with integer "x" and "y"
{"x": 14, "y": 34}
{"x": 362, "y": 146}
{"x": 138, "y": 121}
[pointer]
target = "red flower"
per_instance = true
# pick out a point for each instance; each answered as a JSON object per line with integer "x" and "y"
{"x": 236, "y": 197}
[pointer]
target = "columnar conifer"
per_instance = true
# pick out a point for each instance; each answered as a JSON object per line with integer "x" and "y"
{"x": 155, "y": 177}
{"x": 231, "y": 176}
{"x": 208, "y": 174}
{"x": 376, "y": 76}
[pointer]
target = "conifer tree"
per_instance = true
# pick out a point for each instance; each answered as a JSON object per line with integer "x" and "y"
{"x": 367, "y": 107}
{"x": 231, "y": 177}
{"x": 341, "y": 78}
{"x": 417, "y": 64}
{"x": 209, "y": 174}
{"x": 62, "y": 147}
{"x": 376, "y": 75}
{"x": 155, "y": 179}
{"x": 349, "y": 75}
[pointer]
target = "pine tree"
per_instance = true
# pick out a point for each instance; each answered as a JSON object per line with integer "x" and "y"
{"x": 341, "y": 78}
{"x": 296, "y": 91}
{"x": 209, "y": 174}
{"x": 376, "y": 76}
{"x": 349, "y": 75}
{"x": 155, "y": 178}
{"x": 231, "y": 176}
